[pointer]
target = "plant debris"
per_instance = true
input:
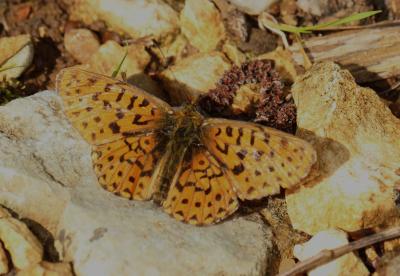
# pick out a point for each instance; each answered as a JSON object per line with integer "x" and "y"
{"x": 273, "y": 107}
{"x": 10, "y": 89}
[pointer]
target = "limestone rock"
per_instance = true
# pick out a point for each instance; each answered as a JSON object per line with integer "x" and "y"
{"x": 4, "y": 213}
{"x": 315, "y": 7}
{"x": 252, "y": 7}
{"x": 4, "y": 268}
{"x": 348, "y": 264}
{"x": 202, "y": 24}
{"x": 24, "y": 248}
{"x": 194, "y": 76}
{"x": 98, "y": 231}
{"x": 16, "y": 54}
{"x": 106, "y": 60}
{"x": 284, "y": 64}
{"x": 389, "y": 265}
{"x": 138, "y": 18}
{"x": 233, "y": 53}
{"x": 48, "y": 269}
{"x": 81, "y": 44}
{"x": 176, "y": 49}
{"x": 357, "y": 141}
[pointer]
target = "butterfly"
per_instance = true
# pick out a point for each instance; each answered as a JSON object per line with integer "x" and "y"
{"x": 197, "y": 168}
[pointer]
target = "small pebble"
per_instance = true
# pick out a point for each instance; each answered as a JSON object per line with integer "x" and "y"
{"x": 81, "y": 44}
{"x": 109, "y": 35}
{"x": 22, "y": 12}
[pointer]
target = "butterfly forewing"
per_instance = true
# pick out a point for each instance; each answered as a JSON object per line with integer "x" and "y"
{"x": 200, "y": 192}
{"x": 257, "y": 159}
{"x": 105, "y": 109}
{"x": 120, "y": 121}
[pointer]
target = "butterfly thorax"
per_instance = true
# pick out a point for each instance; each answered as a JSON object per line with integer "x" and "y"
{"x": 180, "y": 131}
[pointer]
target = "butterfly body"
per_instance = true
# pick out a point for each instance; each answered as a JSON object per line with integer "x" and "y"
{"x": 197, "y": 168}
{"x": 179, "y": 131}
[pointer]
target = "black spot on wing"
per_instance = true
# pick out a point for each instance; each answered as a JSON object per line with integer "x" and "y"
{"x": 224, "y": 150}
{"x": 132, "y": 102}
{"x": 241, "y": 154}
{"x": 115, "y": 128}
{"x": 228, "y": 131}
{"x": 239, "y": 136}
{"x": 136, "y": 120}
{"x": 144, "y": 103}
{"x": 238, "y": 169}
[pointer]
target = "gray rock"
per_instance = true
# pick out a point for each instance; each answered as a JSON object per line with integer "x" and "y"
{"x": 315, "y": 7}
{"x": 46, "y": 175}
{"x": 253, "y": 7}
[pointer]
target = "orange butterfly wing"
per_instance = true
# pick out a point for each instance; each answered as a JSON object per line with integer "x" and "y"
{"x": 200, "y": 192}
{"x": 120, "y": 122}
{"x": 257, "y": 160}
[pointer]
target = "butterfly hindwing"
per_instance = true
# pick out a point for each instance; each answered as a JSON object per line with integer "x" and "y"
{"x": 257, "y": 159}
{"x": 126, "y": 166}
{"x": 120, "y": 122}
{"x": 200, "y": 192}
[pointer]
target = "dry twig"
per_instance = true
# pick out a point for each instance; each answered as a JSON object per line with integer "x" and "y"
{"x": 328, "y": 255}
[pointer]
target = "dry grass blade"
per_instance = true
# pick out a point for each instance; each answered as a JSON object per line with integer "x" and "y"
{"x": 308, "y": 29}
{"x": 326, "y": 255}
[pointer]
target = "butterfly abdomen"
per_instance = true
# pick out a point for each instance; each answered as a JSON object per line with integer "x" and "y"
{"x": 181, "y": 132}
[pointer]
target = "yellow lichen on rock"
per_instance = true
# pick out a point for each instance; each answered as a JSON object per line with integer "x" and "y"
{"x": 4, "y": 213}
{"x": 4, "y": 268}
{"x": 110, "y": 54}
{"x": 357, "y": 140}
{"x": 48, "y": 269}
{"x": 284, "y": 64}
{"x": 194, "y": 76}
{"x": 24, "y": 248}
{"x": 202, "y": 24}
{"x": 16, "y": 54}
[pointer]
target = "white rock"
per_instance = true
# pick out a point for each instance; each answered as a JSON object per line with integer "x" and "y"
{"x": 139, "y": 18}
{"x": 100, "y": 233}
{"x": 253, "y": 7}
{"x": 357, "y": 141}
{"x": 16, "y": 54}
{"x": 315, "y": 7}
{"x": 348, "y": 264}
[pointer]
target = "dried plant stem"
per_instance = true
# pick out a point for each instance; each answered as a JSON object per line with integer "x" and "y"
{"x": 264, "y": 20}
{"x": 306, "y": 60}
{"x": 328, "y": 255}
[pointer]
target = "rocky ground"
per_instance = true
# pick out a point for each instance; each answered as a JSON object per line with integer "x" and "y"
{"x": 224, "y": 55}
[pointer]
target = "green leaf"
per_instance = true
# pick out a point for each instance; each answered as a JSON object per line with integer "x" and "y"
{"x": 116, "y": 71}
{"x": 308, "y": 29}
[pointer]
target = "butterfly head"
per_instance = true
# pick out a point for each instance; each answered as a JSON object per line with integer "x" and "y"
{"x": 182, "y": 125}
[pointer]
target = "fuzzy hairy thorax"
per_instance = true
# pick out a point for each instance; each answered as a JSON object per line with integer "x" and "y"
{"x": 180, "y": 132}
